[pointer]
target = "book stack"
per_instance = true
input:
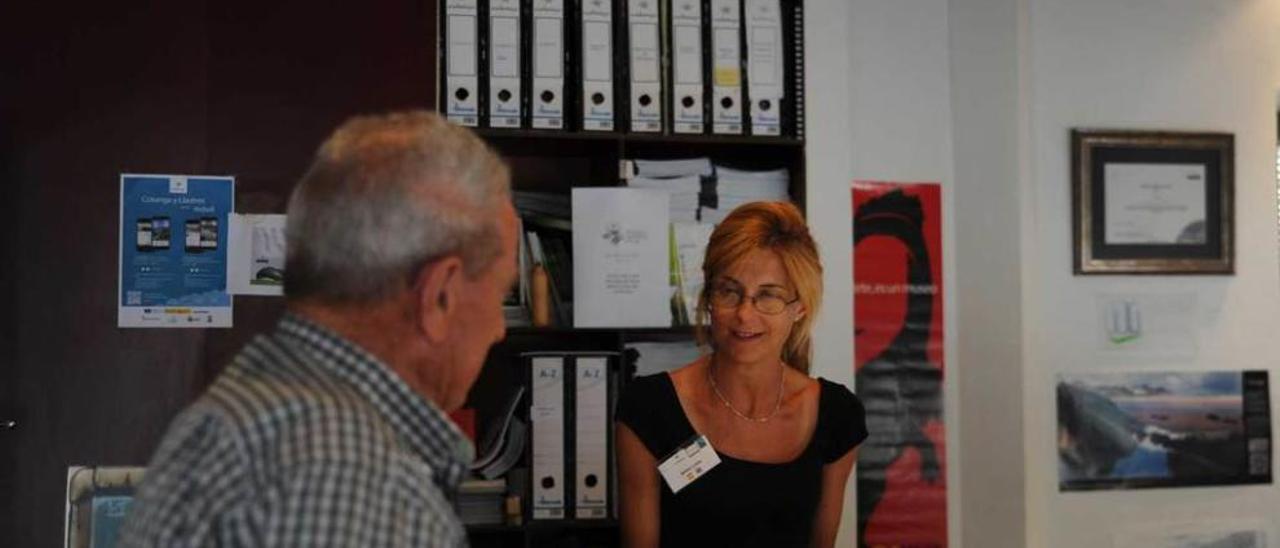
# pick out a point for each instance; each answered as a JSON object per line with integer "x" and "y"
{"x": 481, "y": 501}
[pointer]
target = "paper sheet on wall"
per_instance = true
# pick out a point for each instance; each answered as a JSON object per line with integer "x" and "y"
{"x": 621, "y": 265}
{"x": 173, "y": 251}
{"x": 1150, "y": 326}
{"x": 256, "y": 257}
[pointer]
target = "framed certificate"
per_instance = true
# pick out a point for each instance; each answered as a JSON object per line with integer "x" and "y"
{"x": 1152, "y": 202}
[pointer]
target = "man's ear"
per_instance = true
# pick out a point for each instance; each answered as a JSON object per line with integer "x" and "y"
{"x": 437, "y": 294}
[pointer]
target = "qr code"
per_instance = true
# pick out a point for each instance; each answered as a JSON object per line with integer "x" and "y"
{"x": 133, "y": 297}
{"x": 1259, "y": 465}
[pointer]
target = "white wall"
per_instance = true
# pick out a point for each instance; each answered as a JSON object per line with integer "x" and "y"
{"x": 878, "y": 108}
{"x": 980, "y": 95}
{"x": 1149, "y": 64}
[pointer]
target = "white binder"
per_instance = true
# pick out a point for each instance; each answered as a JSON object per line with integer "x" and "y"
{"x": 504, "y": 63}
{"x": 597, "y": 65}
{"x": 546, "y": 413}
{"x": 646, "y": 66}
{"x": 726, "y": 67}
{"x": 764, "y": 65}
{"x": 686, "y": 66}
{"x": 547, "y": 99}
{"x": 461, "y": 82}
{"x": 591, "y": 433}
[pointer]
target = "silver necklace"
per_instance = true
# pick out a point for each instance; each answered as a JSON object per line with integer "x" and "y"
{"x": 716, "y": 388}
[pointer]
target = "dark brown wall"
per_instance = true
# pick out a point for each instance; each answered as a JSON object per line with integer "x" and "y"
{"x": 96, "y": 89}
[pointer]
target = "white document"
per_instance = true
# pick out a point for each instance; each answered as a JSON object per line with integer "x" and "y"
{"x": 1155, "y": 204}
{"x": 548, "y": 64}
{"x": 686, "y": 66}
{"x": 597, "y": 65}
{"x": 504, "y": 63}
{"x": 764, "y": 65}
{"x": 255, "y": 258}
{"x": 726, "y": 67}
{"x": 461, "y": 82}
{"x": 621, "y": 262}
{"x": 591, "y": 407}
{"x": 546, "y": 412}
{"x": 646, "y": 66}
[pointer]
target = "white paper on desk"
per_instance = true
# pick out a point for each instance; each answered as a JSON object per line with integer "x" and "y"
{"x": 546, "y": 412}
{"x": 504, "y": 63}
{"x": 764, "y": 65}
{"x": 592, "y": 438}
{"x": 255, "y": 258}
{"x": 621, "y": 258}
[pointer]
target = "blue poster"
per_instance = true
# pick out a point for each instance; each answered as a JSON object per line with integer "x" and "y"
{"x": 173, "y": 250}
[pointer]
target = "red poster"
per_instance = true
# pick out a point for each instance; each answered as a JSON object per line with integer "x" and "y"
{"x": 898, "y": 362}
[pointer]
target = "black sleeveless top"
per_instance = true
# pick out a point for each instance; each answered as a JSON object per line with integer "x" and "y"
{"x": 741, "y": 503}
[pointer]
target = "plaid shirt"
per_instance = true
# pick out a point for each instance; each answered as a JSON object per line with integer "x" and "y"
{"x": 305, "y": 440}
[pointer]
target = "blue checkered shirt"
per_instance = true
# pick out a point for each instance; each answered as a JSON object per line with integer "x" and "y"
{"x": 304, "y": 440}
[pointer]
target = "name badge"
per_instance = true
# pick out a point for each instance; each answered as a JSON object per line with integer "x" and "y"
{"x": 688, "y": 463}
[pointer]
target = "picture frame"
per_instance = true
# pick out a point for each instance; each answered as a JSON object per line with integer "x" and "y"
{"x": 1152, "y": 202}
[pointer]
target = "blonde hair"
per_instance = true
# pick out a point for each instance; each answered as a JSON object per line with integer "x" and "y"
{"x": 772, "y": 226}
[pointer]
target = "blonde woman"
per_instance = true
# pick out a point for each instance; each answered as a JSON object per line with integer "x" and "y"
{"x": 784, "y": 441}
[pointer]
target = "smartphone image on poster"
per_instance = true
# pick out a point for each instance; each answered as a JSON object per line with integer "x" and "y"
{"x": 143, "y": 234}
{"x": 160, "y": 233}
{"x": 209, "y": 233}
{"x": 193, "y": 236}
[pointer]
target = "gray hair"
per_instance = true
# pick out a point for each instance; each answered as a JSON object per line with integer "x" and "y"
{"x": 384, "y": 196}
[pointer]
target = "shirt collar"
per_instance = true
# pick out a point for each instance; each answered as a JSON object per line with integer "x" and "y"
{"x": 421, "y": 425}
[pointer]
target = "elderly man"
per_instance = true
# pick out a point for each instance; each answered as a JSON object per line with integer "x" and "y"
{"x": 331, "y": 430}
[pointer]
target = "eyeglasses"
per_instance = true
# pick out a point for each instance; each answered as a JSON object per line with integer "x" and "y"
{"x": 766, "y": 302}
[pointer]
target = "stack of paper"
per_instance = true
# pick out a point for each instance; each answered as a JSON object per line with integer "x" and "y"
{"x": 735, "y": 187}
{"x": 684, "y": 195}
{"x": 480, "y": 501}
{"x": 682, "y": 179}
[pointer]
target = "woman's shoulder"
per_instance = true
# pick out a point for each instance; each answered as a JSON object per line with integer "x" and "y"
{"x": 838, "y": 397}
{"x": 843, "y": 417}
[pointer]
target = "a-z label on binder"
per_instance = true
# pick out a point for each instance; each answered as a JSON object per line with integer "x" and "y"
{"x": 688, "y": 463}
{"x": 547, "y": 415}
